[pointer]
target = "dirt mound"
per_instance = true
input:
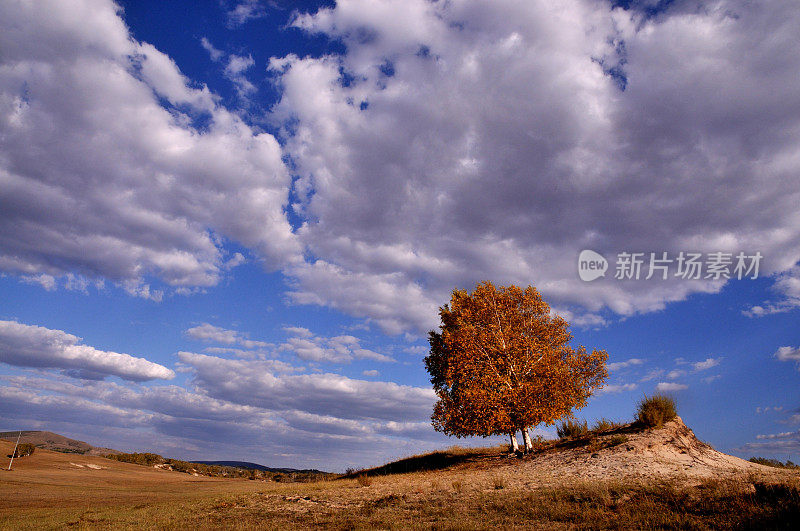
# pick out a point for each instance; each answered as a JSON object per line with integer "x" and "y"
{"x": 670, "y": 452}
{"x": 629, "y": 452}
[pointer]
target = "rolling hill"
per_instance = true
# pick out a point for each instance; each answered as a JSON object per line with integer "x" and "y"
{"x": 55, "y": 442}
{"x": 255, "y": 466}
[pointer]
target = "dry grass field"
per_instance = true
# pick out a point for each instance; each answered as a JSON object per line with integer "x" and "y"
{"x": 658, "y": 479}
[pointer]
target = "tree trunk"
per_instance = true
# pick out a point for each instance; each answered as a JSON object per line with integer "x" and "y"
{"x": 527, "y": 439}
{"x": 514, "y": 443}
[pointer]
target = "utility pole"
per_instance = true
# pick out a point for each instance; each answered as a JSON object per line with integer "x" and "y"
{"x": 15, "y": 450}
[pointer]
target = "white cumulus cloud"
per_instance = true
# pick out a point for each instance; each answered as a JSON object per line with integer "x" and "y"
{"x": 617, "y": 388}
{"x": 493, "y": 139}
{"x": 623, "y": 364}
{"x": 115, "y": 165}
{"x": 706, "y": 364}
{"x": 36, "y": 346}
{"x": 667, "y": 387}
{"x": 215, "y": 334}
{"x": 253, "y": 383}
{"x": 788, "y": 354}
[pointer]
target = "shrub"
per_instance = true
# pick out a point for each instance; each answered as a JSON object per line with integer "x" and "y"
{"x": 150, "y": 459}
{"x": 605, "y": 424}
{"x": 144, "y": 458}
{"x": 24, "y": 449}
{"x": 773, "y": 462}
{"x": 572, "y": 428}
{"x": 656, "y": 410}
{"x": 364, "y": 481}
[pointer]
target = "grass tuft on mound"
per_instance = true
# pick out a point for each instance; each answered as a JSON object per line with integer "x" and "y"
{"x": 572, "y": 428}
{"x": 654, "y": 411}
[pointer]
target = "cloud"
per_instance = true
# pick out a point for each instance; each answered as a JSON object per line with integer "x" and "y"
{"x": 35, "y": 346}
{"x": 253, "y": 383}
{"x": 235, "y": 71}
{"x": 211, "y": 333}
{"x": 245, "y": 11}
{"x": 417, "y": 350}
{"x": 298, "y": 331}
{"x": 371, "y": 372}
{"x": 16, "y": 402}
{"x": 302, "y": 343}
{"x": 235, "y": 68}
{"x": 48, "y": 282}
{"x": 766, "y": 409}
{"x": 238, "y": 64}
{"x": 787, "y": 285}
{"x": 214, "y": 334}
{"x": 115, "y": 166}
{"x": 707, "y": 364}
{"x": 788, "y": 354}
{"x": 613, "y": 389}
{"x": 389, "y": 299}
{"x": 784, "y": 435}
{"x": 474, "y": 125}
{"x": 667, "y": 387}
{"x": 623, "y": 364}
{"x": 777, "y": 443}
{"x": 193, "y": 424}
{"x": 652, "y": 375}
{"x": 214, "y": 53}
{"x": 338, "y": 349}
{"x": 235, "y": 261}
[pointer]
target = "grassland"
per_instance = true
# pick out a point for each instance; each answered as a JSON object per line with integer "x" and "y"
{"x": 455, "y": 489}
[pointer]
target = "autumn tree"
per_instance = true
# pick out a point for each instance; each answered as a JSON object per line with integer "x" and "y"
{"x": 501, "y": 363}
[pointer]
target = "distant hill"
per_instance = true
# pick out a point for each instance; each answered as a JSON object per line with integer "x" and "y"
{"x": 58, "y": 443}
{"x": 255, "y": 466}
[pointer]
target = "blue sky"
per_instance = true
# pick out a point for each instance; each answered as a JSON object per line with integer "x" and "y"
{"x": 226, "y": 228}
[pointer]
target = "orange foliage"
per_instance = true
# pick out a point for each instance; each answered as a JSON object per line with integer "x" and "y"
{"x": 503, "y": 363}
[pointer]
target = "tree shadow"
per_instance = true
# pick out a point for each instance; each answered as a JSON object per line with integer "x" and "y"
{"x": 447, "y": 458}
{"x": 427, "y": 462}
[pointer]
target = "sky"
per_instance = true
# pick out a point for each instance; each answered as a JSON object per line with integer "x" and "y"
{"x": 226, "y": 227}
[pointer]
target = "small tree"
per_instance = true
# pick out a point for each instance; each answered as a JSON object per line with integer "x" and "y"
{"x": 502, "y": 363}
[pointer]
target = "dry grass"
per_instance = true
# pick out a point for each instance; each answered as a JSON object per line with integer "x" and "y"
{"x": 604, "y": 424}
{"x": 576, "y": 506}
{"x": 654, "y": 411}
{"x": 572, "y": 428}
{"x": 46, "y": 492}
